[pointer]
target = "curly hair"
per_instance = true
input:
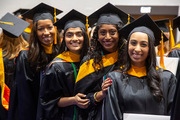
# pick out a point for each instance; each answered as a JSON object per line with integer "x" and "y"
{"x": 95, "y": 49}
{"x": 37, "y": 56}
{"x": 152, "y": 74}
{"x": 84, "y": 47}
{"x": 12, "y": 46}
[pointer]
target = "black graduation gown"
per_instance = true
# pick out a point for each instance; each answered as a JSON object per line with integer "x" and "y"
{"x": 176, "y": 104}
{"x": 90, "y": 84}
{"x": 134, "y": 96}
{"x": 24, "y": 96}
{"x": 9, "y": 70}
{"x": 58, "y": 82}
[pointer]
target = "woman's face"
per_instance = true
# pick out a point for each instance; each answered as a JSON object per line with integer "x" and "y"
{"x": 138, "y": 48}
{"x": 45, "y": 32}
{"x": 108, "y": 37}
{"x": 74, "y": 39}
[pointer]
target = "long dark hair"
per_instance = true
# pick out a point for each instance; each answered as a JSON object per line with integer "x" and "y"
{"x": 38, "y": 59}
{"x": 152, "y": 74}
{"x": 84, "y": 47}
{"x": 95, "y": 49}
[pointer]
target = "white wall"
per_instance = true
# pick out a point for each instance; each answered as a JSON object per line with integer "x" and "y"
{"x": 84, "y": 6}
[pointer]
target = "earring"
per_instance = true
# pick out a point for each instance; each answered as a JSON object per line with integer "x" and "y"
{"x": 65, "y": 48}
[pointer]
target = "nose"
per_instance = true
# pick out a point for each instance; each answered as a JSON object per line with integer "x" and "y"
{"x": 108, "y": 36}
{"x": 137, "y": 48}
{"x": 74, "y": 37}
{"x": 46, "y": 31}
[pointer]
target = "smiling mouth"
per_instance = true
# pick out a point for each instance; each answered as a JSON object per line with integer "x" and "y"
{"x": 47, "y": 38}
{"x": 107, "y": 43}
{"x": 75, "y": 44}
{"x": 136, "y": 56}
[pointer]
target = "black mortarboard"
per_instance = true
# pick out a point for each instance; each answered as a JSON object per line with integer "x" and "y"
{"x": 71, "y": 20}
{"x": 12, "y": 25}
{"x": 109, "y": 14}
{"x": 162, "y": 24}
{"x": 144, "y": 24}
{"x": 20, "y": 11}
{"x": 176, "y": 22}
{"x": 41, "y": 12}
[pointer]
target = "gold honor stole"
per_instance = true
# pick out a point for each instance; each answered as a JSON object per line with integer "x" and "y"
{"x": 86, "y": 68}
{"x": 177, "y": 46}
{"x": 138, "y": 71}
{"x": 67, "y": 56}
{"x": 5, "y": 91}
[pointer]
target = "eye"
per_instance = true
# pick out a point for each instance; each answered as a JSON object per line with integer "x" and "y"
{"x": 40, "y": 29}
{"x": 133, "y": 42}
{"x": 69, "y": 35}
{"x": 112, "y": 32}
{"x": 79, "y": 34}
{"x": 50, "y": 28}
{"x": 103, "y": 32}
{"x": 144, "y": 44}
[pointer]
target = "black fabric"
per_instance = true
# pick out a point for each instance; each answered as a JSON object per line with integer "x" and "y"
{"x": 25, "y": 35}
{"x": 176, "y": 22}
{"x": 41, "y": 12}
{"x": 147, "y": 22}
{"x": 58, "y": 82}
{"x": 26, "y": 90}
{"x": 89, "y": 85}
{"x": 109, "y": 14}
{"x": 133, "y": 96}
{"x": 162, "y": 24}
{"x": 176, "y": 103}
{"x": 72, "y": 19}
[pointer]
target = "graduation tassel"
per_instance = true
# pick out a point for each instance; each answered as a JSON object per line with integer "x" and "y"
{"x": 128, "y": 19}
{"x": 162, "y": 52}
{"x": 8, "y": 23}
{"x": 87, "y": 26}
{"x": 172, "y": 43}
{"x": 55, "y": 40}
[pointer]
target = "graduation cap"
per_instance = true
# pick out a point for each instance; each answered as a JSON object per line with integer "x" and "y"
{"x": 41, "y": 12}
{"x": 109, "y": 14}
{"x": 176, "y": 22}
{"x": 12, "y": 25}
{"x": 162, "y": 24}
{"x": 20, "y": 11}
{"x": 144, "y": 24}
{"x": 71, "y": 20}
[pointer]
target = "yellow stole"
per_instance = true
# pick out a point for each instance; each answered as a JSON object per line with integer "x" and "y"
{"x": 86, "y": 68}
{"x": 177, "y": 46}
{"x": 48, "y": 49}
{"x": 5, "y": 91}
{"x": 69, "y": 56}
{"x": 138, "y": 71}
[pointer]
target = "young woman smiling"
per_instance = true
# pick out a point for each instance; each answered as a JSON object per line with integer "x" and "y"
{"x": 31, "y": 62}
{"x": 139, "y": 86}
{"x": 57, "y": 93}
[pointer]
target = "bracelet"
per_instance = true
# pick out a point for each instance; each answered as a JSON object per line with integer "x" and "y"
{"x": 95, "y": 97}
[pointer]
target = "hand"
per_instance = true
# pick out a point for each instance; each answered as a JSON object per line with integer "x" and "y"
{"x": 102, "y": 94}
{"x": 82, "y": 103}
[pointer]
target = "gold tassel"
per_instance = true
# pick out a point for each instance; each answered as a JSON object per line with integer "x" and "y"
{"x": 8, "y": 23}
{"x": 128, "y": 19}
{"x": 162, "y": 52}
{"x": 87, "y": 26}
{"x": 55, "y": 40}
{"x": 172, "y": 43}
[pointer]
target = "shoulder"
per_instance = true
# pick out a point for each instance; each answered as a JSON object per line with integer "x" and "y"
{"x": 174, "y": 53}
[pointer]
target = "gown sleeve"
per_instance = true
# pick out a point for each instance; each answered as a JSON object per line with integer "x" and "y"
{"x": 51, "y": 92}
{"x": 26, "y": 87}
{"x": 112, "y": 109}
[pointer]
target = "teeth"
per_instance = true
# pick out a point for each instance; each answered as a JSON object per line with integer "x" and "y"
{"x": 74, "y": 43}
{"x": 47, "y": 38}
